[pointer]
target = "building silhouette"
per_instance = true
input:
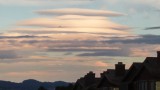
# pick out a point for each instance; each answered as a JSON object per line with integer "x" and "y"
{"x": 111, "y": 79}
{"x": 140, "y": 76}
{"x": 143, "y": 76}
{"x": 89, "y": 81}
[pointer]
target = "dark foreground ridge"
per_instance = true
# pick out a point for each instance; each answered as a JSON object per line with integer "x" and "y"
{"x": 31, "y": 85}
{"x": 140, "y": 76}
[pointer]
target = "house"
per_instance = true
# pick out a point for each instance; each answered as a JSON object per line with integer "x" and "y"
{"x": 130, "y": 74}
{"x": 111, "y": 79}
{"x": 143, "y": 76}
{"x": 88, "y": 82}
{"x": 140, "y": 76}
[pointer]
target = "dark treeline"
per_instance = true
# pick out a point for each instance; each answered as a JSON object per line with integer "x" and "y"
{"x": 69, "y": 87}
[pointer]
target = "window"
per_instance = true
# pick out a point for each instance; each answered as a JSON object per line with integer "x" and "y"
{"x": 158, "y": 85}
{"x": 144, "y": 85}
{"x": 116, "y": 89}
{"x": 152, "y": 85}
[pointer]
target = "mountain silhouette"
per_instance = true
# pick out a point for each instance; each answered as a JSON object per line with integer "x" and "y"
{"x": 30, "y": 84}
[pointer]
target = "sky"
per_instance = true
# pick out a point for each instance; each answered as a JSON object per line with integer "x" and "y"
{"x": 52, "y": 40}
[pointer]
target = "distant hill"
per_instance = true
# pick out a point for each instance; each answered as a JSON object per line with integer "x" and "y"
{"x": 30, "y": 84}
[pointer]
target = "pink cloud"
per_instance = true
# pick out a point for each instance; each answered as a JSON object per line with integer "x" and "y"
{"x": 101, "y": 64}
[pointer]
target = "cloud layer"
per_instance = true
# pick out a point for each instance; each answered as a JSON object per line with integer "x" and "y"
{"x": 78, "y": 11}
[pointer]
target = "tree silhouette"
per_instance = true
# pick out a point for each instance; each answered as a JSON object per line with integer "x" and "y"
{"x": 42, "y": 88}
{"x": 69, "y": 87}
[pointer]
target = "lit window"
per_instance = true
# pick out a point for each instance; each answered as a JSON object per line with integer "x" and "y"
{"x": 158, "y": 85}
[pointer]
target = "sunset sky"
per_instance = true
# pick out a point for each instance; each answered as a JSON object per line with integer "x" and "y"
{"x": 52, "y": 40}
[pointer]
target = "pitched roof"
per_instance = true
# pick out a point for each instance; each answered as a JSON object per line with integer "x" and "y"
{"x": 97, "y": 80}
{"x": 81, "y": 82}
{"x": 133, "y": 70}
{"x": 151, "y": 64}
{"x": 112, "y": 78}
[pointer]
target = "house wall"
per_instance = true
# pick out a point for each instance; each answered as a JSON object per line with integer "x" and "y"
{"x": 144, "y": 85}
{"x": 143, "y": 81}
{"x": 123, "y": 86}
{"x": 108, "y": 88}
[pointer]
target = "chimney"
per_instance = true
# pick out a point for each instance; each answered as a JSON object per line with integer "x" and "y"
{"x": 103, "y": 74}
{"x": 120, "y": 69}
{"x": 158, "y": 54}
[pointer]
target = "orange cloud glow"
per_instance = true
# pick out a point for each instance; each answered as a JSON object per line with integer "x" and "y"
{"x": 101, "y": 64}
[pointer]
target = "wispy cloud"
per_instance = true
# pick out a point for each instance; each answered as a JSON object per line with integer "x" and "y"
{"x": 118, "y": 52}
{"x": 8, "y": 54}
{"x": 152, "y": 28}
{"x": 83, "y": 23}
{"x": 42, "y": 2}
{"x": 78, "y": 11}
{"x": 147, "y": 39}
{"x": 23, "y": 36}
